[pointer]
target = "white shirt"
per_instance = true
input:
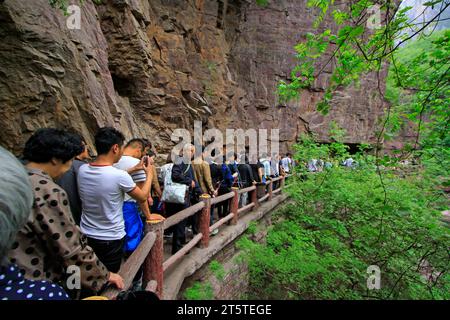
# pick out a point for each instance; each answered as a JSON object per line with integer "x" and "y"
{"x": 348, "y": 162}
{"x": 312, "y": 165}
{"x": 127, "y": 162}
{"x": 275, "y": 167}
{"x": 266, "y": 163}
{"x": 285, "y": 162}
{"x": 102, "y": 190}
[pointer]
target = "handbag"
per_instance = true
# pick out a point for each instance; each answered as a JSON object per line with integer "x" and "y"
{"x": 174, "y": 192}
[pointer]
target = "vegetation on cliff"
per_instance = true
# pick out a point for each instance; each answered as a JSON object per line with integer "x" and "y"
{"x": 344, "y": 220}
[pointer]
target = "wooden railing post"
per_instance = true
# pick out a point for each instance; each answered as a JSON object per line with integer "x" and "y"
{"x": 205, "y": 218}
{"x": 235, "y": 205}
{"x": 270, "y": 189}
{"x": 153, "y": 264}
{"x": 282, "y": 182}
{"x": 254, "y": 197}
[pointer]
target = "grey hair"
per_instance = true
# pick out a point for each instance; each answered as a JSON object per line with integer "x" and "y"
{"x": 16, "y": 199}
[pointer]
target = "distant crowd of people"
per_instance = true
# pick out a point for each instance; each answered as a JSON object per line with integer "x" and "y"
{"x": 318, "y": 165}
{"x": 60, "y": 208}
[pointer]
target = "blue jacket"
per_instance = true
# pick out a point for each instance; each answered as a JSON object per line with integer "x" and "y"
{"x": 228, "y": 178}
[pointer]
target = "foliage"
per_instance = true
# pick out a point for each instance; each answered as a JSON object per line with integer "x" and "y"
{"x": 418, "y": 86}
{"x": 252, "y": 227}
{"x": 357, "y": 47}
{"x": 381, "y": 212}
{"x": 262, "y": 3}
{"x": 341, "y": 222}
{"x": 199, "y": 291}
{"x": 217, "y": 269}
{"x": 64, "y": 4}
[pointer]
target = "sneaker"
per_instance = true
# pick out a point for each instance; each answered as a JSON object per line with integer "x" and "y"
{"x": 216, "y": 231}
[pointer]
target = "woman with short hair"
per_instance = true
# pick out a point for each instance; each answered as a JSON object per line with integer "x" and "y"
{"x": 16, "y": 198}
{"x": 50, "y": 241}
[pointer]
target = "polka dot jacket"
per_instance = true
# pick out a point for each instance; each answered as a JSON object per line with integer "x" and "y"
{"x": 50, "y": 241}
{"x": 13, "y": 286}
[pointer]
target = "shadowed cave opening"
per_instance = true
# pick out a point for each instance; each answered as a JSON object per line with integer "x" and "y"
{"x": 124, "y": 87}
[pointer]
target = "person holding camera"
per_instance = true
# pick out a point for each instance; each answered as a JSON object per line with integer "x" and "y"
{"x": 133, "y": 155}
{"x": 102, "y": 189}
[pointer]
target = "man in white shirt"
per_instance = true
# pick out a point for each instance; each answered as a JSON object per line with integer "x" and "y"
{"x": 134, "y": 226}
{"x": 102, "y": 189}
{"x": 286, "y": 163}
{"x": 265, "y": 161}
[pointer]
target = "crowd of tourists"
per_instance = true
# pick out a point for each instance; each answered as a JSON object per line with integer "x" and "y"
{"x": 61, "y": 208}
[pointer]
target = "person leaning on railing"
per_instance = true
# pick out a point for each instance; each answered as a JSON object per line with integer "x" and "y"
{"x": 102, "y": 189}
{"x": 202, "y": 172}
{"x": 50, "y": 241}
{"x": 247, "y": 179}
{"x": 223, "y": 208}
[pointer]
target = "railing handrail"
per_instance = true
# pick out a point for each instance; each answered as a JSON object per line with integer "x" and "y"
{"x": 182, "y": 252}
{"x": 222, "y": 198}
{"x": 151, "y": 247}
{"x": 221, "y": 222}
{"x": 276, "y": 179}
{"x": 248, "y": 189}
{"x": 131, "y": 266}
{"x": 183, "y": 214}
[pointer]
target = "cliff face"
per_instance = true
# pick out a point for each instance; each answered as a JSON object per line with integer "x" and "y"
{"x": 148, "y": 67}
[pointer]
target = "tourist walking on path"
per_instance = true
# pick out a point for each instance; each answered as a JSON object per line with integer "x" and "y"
{"x": 69, "y": 182}
{"x": 134, "y": 227}
{"x": 183, "y": 173}
{"x": 202, "y": 172}
{"x": 287, "y": 163}
{"x": 50, "y": 241}
{"x": 102, "y": 189}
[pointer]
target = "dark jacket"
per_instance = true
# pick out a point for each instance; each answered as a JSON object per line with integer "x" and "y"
{"x": 228, "y": 179}
{"x": 184, "y": 173}
{"x": 216, "y": 174}
{"x": 69, "y": 183}
{"x": 255, "y": 170}
{"x": 246, "y": 175}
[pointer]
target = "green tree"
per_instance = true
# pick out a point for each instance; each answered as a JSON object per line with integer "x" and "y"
{"x": 64, "y": 4}
{"x": 341, "y": 222}
{"x": 357, "y": 48}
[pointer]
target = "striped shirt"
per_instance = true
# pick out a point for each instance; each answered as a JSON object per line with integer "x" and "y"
{"x": 127, "y": 162}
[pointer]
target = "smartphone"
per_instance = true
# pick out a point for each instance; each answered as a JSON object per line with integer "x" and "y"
{"x": 146, "y": 161}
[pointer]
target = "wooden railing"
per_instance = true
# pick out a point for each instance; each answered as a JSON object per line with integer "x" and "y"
{"x": 150, "y": 252}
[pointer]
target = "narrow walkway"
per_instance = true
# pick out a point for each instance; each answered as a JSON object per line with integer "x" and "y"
{"x": 174, "y": 276}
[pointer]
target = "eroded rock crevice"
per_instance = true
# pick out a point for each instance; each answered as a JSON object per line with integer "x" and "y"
{"x": 148, "y": 67}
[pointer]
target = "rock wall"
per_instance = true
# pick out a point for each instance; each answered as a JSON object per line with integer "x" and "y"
{"x": 148, "y": 67}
